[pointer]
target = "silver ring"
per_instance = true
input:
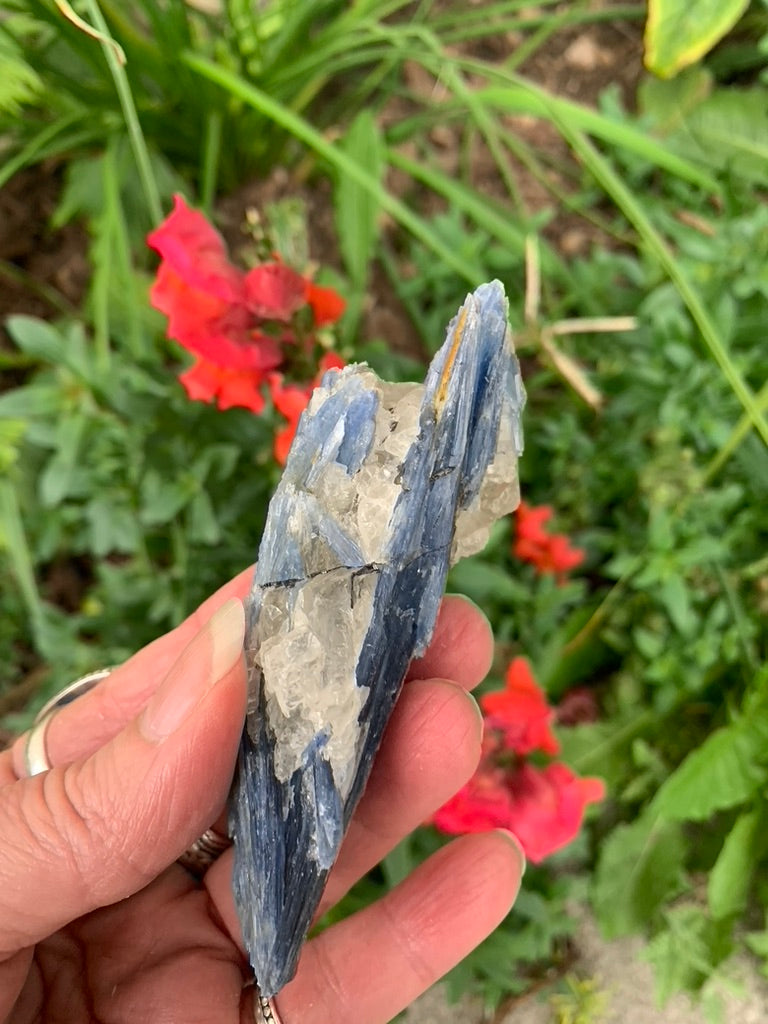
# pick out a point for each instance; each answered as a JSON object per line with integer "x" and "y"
{"x": 265, "y": 1010}
{"x": 203, "y": 852}
{"x": 35, "y": 749}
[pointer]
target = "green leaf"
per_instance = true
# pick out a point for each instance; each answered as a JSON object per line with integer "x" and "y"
{"x": 57, "y": 475}
{"x": 203, "y": 525}
{"x": 113, "y": 528}
{"x": 685, "y": 954}
{"x": 19, "y": 82}
{"x": 357, "y": 208}
{"x": 640, "y": 866}
{"x": 37, "y": 338}
{"x": 680, "y": 32}
{"x": 14, "y": 541}
{"x": 725, "y": 771}
{"x": 399, "y": 863}
{"x": 26, "y": 402}
{"x": 634, "y": 211}
{"x": 163, "y": 499}
{"x": 725, "y": 129}
{"x": 730, "y": 878}
{"x": 673, "y": 594}
{"x": 526, "y": 98}
{"x": 482, "y": 582}
{"x": 302, "y": 130}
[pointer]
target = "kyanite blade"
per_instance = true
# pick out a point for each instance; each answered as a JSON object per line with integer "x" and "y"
{"x": 385, "y": 486}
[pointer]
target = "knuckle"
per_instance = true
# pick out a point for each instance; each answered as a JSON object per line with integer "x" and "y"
{"x": 411, "y": 944}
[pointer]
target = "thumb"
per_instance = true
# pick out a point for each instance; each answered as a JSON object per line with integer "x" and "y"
{"x": 88, "y": 834}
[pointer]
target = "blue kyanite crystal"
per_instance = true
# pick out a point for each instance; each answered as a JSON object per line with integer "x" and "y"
{"x": 386, "y": 485}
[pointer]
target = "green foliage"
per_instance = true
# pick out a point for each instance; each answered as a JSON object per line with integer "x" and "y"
{"x": 679, "y": 32}
{"x": 640, "y": 869}
{"x": 105, "y": 465}
{"x": 582, "y": 1002}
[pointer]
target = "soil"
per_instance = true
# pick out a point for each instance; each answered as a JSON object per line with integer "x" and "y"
{"x": 623, "y": 983}
{"x": 44, "y": 271}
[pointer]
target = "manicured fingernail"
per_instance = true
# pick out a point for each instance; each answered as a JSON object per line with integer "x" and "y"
{"x": 204, "y": 661}
{"x": 514, "y": 842}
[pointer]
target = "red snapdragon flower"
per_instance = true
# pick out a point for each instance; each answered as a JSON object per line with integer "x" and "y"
{"x": 214, "y": 309}
{"x": 521, "y": 713}
{"x": 548, "y": 552}
{"x": 239, "y": 325}
{"x": 204, "y": 381}
{"x": 291, "y": 400}
{"x": 543, "y": 807}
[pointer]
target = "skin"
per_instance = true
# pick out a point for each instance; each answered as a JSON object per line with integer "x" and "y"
{"x": 98, "y": 922}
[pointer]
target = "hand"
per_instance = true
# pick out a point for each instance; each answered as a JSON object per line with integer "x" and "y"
{"x": 97, "y": 921}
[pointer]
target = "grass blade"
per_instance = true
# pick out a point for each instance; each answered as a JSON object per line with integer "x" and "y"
{"x": 525, "y": 98}
{"x": 135, "y": 134}
{"x": 335, "y": 156}
{"x": 495, "y": 222}
{"x": 635, "y": 214}
{"x": 14, "y": 541}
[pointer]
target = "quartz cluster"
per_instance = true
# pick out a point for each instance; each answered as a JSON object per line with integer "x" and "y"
{"x": 386, "y": 485}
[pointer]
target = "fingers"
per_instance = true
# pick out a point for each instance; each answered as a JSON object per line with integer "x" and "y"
{"x": 430, "y": 749}
{"x": 89, "y": 834}
{"x": 370, "y": 966}
{"x": 461, "y": 648}
{"x": 80, "y": 728}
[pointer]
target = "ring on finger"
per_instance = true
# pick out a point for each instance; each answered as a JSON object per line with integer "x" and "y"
{"x": 203, "y": 852}
{"x": 265, "y": 1010}
{"x": 200, "y": 855}
{"x": 35, "y": 749}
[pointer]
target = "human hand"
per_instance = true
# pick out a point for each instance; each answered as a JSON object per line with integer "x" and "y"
{"x": 98, "y": 921}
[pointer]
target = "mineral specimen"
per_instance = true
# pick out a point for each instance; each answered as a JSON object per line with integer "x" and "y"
{"x": 385, "y": 486}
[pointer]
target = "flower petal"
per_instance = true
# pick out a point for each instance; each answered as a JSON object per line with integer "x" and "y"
{"x": 197, "y": 254}
{"x": 327, "y": 305}
{"x": 274, "y": 291}
{"x": 521, "y": 712}
{"x": 204, "y": 381}
{"x": 547, "y": 807}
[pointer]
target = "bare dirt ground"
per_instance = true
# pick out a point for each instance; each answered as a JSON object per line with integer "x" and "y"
{"x": 625, "y": 985}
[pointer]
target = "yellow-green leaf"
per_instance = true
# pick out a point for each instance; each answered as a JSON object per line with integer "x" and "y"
{"x": 680, "y": 32}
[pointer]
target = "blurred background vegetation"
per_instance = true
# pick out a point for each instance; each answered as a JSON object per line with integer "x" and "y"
{"x": 609, "y": 163}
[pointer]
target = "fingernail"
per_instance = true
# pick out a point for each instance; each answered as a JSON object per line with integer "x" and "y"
{"x": 514, "y": 842}
{"x": 478, "y": 711}
{"x": 201, "y": 665}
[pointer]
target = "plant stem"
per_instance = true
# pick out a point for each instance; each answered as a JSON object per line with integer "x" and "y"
{"x": 133, "y": 126}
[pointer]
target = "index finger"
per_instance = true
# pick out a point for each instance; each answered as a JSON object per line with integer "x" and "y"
{"x": 80, "y": 728}
{"x": 460, "y": 651}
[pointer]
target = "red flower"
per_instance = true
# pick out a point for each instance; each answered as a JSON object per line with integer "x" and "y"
{"x": 482, "y": 804}
{"x": 206, "y": 299}
{"x": 547, "y": 807}
{"x": 240, "y": 325}
{"x": 219, "y": 312}
{"x": 326, "y": 304}
{"x": 521, "y": 712}
{"x": 291, "y": 400}
{"x": 549, "y": 552}
{"x": 544, "y": 808}
{"x": 204, "y": 382}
